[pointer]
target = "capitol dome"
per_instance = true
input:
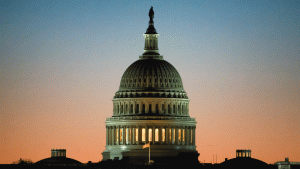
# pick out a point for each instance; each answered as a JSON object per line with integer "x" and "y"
{"x": 156, "y": 77}
{"x": 150, "y": 108}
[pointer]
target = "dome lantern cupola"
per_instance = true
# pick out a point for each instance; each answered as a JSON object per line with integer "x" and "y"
{"x": 151, "y": 40}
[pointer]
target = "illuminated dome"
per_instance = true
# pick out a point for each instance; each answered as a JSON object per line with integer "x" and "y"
{"x": 149, "y": 75}
{"x": 150, "y": 107}
{"x": 151, "y": 78}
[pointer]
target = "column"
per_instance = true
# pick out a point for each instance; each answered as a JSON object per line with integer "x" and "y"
{"x": 153, "y": 135}
{"x": 134, "y": 105}
{"x": 146, "y": 134}
{"x": 127, "y": 130}
{"x": 160, "y": 136}
{"x": 140, "y": 135}
{"x": 194, "y": 134}
{"x": 167, "y": 135}
{"x": 113, "y": 135}
{"x": 107, "y": 135}
{"x": 140, "y": 107}
{"x": 123, "y": 135}
{"x": 182, "y": 143}
{"x": 167, "y": 107}
{"x": 159, "y": 103}
{"x": 110, "y": 136}
{"x": 132, "y": 135}
{"x": 188, "y": 135}
{"x": 172, "y": 136}
{"x": 118, "y": 141}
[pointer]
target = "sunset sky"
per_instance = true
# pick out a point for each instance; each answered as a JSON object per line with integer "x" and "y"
{"x": 61, "y": 63}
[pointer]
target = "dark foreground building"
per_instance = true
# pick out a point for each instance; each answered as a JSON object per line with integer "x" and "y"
{"x": 58, "y": 158}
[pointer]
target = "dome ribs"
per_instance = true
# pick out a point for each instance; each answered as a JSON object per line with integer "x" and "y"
{"x": 151, "y": 78}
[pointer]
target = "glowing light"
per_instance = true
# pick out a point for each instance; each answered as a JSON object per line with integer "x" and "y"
{"x": 143, "y": 134}
{"x": 163, "y": 135}
{"x": 156, "y": 134}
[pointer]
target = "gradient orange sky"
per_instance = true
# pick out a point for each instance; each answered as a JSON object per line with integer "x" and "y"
{"x": 62, "y": 61}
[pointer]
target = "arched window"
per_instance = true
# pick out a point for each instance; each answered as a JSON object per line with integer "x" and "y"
{"x": 131, "y": 108}
{"x": 122, "y": 109}
{"x": 179, "y": 111}
{"x": 156, "y": 108}
{"x": 163, "y": 108}
{"x": 169, "y": 108}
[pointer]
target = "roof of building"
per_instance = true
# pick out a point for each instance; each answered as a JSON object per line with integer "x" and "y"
{"x": 244, "y": 162}
{"x": 58, "y": 161}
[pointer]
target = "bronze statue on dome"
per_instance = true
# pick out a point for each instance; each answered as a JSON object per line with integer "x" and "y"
{"x": 151, "y": 14}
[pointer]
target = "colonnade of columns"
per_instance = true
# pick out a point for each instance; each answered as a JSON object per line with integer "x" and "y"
{"x": 151, "y": 41}
{"x": 243, "y": 153}
{"x": 160, "y": 135}
{"x": 170, "y": 108}
{"x": 58, "y": 153}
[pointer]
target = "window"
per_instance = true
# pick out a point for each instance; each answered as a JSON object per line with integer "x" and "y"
{"x": 143, "y": 135}
{"x": 128, "y": 135}
{"x": 150, "y": 134}
{"x": 116, "y": 135}
{"x": 136, "y": 134}
{"x": 179, "y": 135}
{"x": 173, "y": 138}
{"x": 183, "y": 135}
{"x": 170, "y": 135}
{"x": 156, "y": 107}
{"x": 121, "y": 134}
{"x": 163, "y": 132}
{"x": 156, "y": 134}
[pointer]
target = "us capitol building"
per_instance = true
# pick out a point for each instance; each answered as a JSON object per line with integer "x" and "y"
{"x": 150, "y": 106}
